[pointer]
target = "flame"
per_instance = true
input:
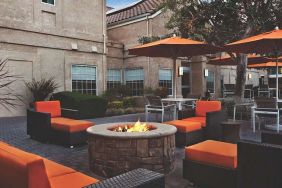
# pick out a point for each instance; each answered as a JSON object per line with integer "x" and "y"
{"x": 138, "y": 127}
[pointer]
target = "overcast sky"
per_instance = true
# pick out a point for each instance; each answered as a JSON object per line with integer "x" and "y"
{"x": 119, "y": 3}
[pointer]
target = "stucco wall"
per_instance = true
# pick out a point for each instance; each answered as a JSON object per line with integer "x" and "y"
{"x": 37, "y": 39}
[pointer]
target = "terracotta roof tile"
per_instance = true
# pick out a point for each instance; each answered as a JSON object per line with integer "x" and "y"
{"x": 142, "y": 7}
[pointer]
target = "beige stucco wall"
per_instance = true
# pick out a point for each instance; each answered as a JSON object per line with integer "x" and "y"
{"x": 37, "y": 39}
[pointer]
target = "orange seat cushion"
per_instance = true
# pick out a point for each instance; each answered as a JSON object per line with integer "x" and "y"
{"x": 70, "y": 125}
{"x": 202, "y": 107}
{"x": 201, "y": 120}
{"x": 54, "y": 169}
{"x": 185, "y": 126}
{"x": 214, "y": 153}
{"x": 52, "y": 107}
{"x": 73, "y": 180}
{"x": 21, "y": 169}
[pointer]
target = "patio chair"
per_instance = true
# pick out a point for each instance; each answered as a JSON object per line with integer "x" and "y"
{"x": 248, "y": 92}
{"x": 265, "y": 108}
{"x": 155, "y": 105}
{"x": 263, "y": 89}
{"x": 229, "y": 89}
{"x": 48, "y": 122}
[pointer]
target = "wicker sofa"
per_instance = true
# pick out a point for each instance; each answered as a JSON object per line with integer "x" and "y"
{"x": 204, "y": 122}
{"x": 245, "y": 165}
{"x": 26, "y": 170}
{"x": 49, "y": 122}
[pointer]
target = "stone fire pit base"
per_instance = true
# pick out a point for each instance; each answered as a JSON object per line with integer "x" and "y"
{"x": 112, "y": 153}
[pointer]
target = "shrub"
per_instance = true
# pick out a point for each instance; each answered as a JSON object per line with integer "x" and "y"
{"x": 115, "y": 104}
{"x": 129, "y": 102}
{"x": 88, "y": 106}
{"x": 41, "y": 89}
{"x": 162, "y": 92}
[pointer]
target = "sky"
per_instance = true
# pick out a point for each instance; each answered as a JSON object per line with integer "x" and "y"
{"x": 119, "y": 3}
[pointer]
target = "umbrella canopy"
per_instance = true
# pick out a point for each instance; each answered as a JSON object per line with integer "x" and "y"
{"x": 174, "y": 47}
{"x": 269, "y": 64}
{"x": 228, "y": 61}
{"x": 262, "y": 43}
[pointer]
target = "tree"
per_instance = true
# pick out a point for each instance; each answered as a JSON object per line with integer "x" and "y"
{"x": 8, "y": 98}
{"x": 223, "y": 21}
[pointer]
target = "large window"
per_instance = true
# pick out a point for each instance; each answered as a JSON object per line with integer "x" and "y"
{"x": 51, "y": 2}
{"x": 84, "y": 79}
{"x": 211, "y": 82}
{"x": 165, "y": 79}
{"x": 135, "y": 81}
{"x": 114, "y": 78}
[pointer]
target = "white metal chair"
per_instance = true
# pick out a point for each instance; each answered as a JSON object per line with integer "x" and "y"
{"x": 155, "y": 104}
{"x": 265, "y": 107}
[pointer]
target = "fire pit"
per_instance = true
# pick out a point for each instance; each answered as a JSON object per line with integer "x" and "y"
{"x": 116, "y": 148}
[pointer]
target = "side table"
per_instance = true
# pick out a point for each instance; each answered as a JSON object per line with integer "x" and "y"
{"x": 139, "y": 178}
{"x": 231, "y": 131}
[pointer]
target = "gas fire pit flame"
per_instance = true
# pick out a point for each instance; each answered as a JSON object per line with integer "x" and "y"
{"x": 137, "y": 127}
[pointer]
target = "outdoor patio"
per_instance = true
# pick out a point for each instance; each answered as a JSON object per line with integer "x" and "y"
{"x": 13, "y": 131}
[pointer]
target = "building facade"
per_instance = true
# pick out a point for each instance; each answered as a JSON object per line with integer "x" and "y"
{"x": 64, "y": 39}
{"x": 86, "y": 50}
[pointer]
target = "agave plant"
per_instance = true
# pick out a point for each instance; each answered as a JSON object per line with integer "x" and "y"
{"x": 41, "y": 89}
{"x": 8, "y": 98}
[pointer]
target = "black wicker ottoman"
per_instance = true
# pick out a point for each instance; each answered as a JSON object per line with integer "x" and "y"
{"x": 140, "y": 178}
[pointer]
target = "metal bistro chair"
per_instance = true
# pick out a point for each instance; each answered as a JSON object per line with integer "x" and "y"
{"x": 249, "y": 92}
{"x": 156, "y": 105}
{"x": 265, "y": 108}
{"x": 229, "y": 89}
{"x": 263, "y": 89}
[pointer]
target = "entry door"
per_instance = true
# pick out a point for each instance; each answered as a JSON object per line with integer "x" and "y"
{"x": 186, "y": 81}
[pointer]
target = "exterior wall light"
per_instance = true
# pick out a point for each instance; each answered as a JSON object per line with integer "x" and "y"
{"x": 206, "y": 72}
{"x": 180, "y": 71}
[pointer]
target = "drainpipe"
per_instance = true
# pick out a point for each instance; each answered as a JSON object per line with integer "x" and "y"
{"x": 104, "y": 65}
{"x": 148, "y": 58}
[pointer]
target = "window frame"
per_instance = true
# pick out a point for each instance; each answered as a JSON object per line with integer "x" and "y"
{"x": 172, "y": 81}
{"x": 49, "y": 3}
{"x": 120, "y": 82}
{"x": 85, "y": 65}
{"x": 136, "y": 81}
{"x": 214, "y": 83}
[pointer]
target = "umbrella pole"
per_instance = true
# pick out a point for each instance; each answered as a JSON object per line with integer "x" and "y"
{"x": 174, "y": 78}
{"x": 277, "y": 85}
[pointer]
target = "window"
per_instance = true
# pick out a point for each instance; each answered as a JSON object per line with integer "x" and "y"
{"x": 135, "y": 81}
{"x": 84, "y": 79}
{"x": 165, "y": 79}
{"x": 114, "y": 78}
{"x": 51, "y": 2}
{"x": 211, "y": 82}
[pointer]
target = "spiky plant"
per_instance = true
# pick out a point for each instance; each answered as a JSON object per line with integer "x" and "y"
{"x": 8, "y": 97}
{"x": 41, "y": 89}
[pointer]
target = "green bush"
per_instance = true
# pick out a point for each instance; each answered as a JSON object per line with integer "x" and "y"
{"x": 115, "y": 104}
{"x": 88, "y": 106}
{"x": 128, "y": 102}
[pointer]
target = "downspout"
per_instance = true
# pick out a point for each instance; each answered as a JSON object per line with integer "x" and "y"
{"x": 104, "y": 65}
{"x": 148, "y": 58}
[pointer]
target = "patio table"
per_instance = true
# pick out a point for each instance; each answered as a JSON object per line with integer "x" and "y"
{"x": 179, "y": 101}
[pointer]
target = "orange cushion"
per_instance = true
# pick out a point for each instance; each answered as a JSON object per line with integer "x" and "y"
{"x": 70, "y": 125}
{"x": 54, "y": 169}
{"x": 52, "y": 107}
{"x": 21, "y": 169}
{"x": 201, "y": 120}
{"x": 202, "y": 107}
{"x": 73, "y": 180}
{"x": 213, "y": 152}
{"x": 185, "y": 126}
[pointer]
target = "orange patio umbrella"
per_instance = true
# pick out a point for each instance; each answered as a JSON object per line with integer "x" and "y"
{"x": 174, "y": 47}
{"x": 228, "y": 61}
{"x": 262, "y": 43}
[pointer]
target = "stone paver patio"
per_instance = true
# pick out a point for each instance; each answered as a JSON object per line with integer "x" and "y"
{"x": 13, "y": 131}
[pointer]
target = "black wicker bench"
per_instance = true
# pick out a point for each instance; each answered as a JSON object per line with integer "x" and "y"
{"x": 141, "y": 178}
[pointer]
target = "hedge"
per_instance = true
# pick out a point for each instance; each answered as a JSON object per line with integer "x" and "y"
{"x": 88, "y": 106}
